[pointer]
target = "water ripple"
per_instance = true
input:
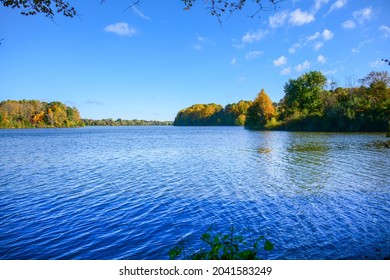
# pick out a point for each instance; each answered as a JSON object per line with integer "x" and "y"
{"x": 134, "y": 193}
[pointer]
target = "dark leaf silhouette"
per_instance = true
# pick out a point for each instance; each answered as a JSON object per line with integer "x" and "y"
{"x": 215, "y": 7}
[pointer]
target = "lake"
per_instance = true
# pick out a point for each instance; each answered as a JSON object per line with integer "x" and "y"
{"x": 135, "y": 192}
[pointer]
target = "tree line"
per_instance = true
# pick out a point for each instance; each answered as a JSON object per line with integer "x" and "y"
{"x": 306, "y": 106}
{"x": 36, "y": 114}
{"x": 121, "y": 122}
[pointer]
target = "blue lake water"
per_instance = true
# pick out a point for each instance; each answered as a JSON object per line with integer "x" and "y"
{"x": 135, "y": 192}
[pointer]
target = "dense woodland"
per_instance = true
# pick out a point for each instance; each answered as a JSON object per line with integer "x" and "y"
{"x": 214, "y": 114}
{"x": 34, "y": 113}
{"x": 306, "y": 106}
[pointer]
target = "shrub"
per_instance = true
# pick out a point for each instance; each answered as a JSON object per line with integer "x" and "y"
{"x": 230, "y": 246}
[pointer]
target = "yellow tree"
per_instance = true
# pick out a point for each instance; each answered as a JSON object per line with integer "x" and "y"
{"x": 59, "y": 114}
{"x": 260, "y": 111}
{"x": 38, "y": 117}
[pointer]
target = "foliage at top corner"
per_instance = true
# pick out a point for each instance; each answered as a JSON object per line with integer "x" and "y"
{"x": 219, "y": 7}
{"x": 46, "y": 7}
{"x": 51, "y": 7}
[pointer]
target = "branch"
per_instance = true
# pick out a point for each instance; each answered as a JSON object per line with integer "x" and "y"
{"x": 46, "y": 7}
{"x": 219, "y": 7}
{"x": 216, "y": 8}
{"x": 135, "y": 3}
{"x": 386, "y": 60}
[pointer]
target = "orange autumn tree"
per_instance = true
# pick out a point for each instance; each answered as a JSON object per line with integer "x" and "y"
{"x": 260, "y": 112}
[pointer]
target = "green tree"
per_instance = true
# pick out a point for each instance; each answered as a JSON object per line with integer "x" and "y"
{"x": 235, "y": 114}
{"x": 303, "y": 95}
{"x": 73, "y": 117}
{"x": 376, "y": 78}
{"x": 260, "y": 112}
{"x": 372, "y": 101}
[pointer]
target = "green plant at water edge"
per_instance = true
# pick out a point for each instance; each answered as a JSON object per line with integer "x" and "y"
{"x": 230, "y": 246}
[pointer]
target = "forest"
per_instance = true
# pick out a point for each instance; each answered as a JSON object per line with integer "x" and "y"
{"x": 37, "y": 114}
{"x": 310, "y": 103}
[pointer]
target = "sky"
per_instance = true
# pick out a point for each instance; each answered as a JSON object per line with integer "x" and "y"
{"x": 151, "y": 60}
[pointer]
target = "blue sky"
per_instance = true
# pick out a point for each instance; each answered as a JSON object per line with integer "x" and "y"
{"x": 150, "y": 61}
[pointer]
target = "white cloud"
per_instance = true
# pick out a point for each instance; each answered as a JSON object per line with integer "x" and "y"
{"x": 361, "y": 45}
{"x": 253, "y": 54}
{"x": 327, "y": 35}
{"x": 139, "y": 13}
{"x": 242, "y": 78}
{"x": 314, "y": 36}
{"x": 303, "y": 66}
{"x": 318, "y": 4}
{"x": 234, "y": 61}
{"x": 363, "y": 15}
{"x": 318, "y": 38}
{"x": 286, "y": 71}
{"x": 349, "y": 24}
{"x": 377, "y": 63}
{"x": 318, "y": 46}
{"x": 278, "y": 19}
{"x": 386, "y": 30}
{"x": 197, "y": 47}
{"x": 337, "y": 5}
{"x": 255, "y": 36}
{"x": 93, "y": 102}
{"x": 294, "y": 48}
{"x": 298, "y": 17}
{"x": 330, "y": 72}
{"x": 280, "y": 61}
{"x": 121, "y": 29}
{"x": 321, "y": 59}
{"x": 200, "y": 41}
